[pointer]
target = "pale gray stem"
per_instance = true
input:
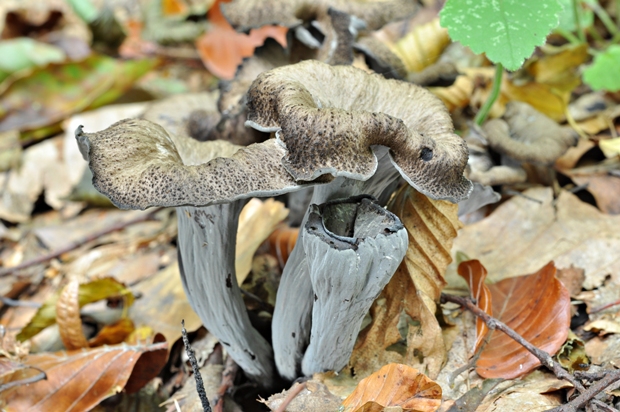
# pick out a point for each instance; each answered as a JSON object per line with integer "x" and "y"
{"x": 353, "y": 248}
{"x": 207, "y": 239}
{"x": 292, "y": 317}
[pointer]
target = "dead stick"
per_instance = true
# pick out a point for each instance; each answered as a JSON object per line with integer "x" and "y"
{"x": 294, "y": 391}
{"x": 74, "y": 245}
{"x": 228, "y": 381}
{"x": 494, "y": 324}
{"x": 603, "y": 406}
{"x": 607, "y": 306}
{"x": 572, "y": 406}
{"x": 200, "y": 387}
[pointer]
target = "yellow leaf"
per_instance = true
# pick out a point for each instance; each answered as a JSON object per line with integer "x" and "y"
{"x": 610, "y": 147}
{"x": 422, "y": 46}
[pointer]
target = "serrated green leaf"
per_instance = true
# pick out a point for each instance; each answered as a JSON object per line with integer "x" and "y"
{"x": 90, "y": 292}
{"x": 508, "y": 31}
{"x": 603, "y": 73}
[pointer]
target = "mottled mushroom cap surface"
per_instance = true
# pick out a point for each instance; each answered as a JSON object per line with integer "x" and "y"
{"x": 329, "y": 117}
{"x": 244, "y": 15}
{"x": 137, "y": 165}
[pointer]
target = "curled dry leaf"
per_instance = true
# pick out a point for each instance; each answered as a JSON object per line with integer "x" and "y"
{"x": 68, "y": 317}
{"x": 282, "y": 241}
{"x": 475, "y": 274}
{"x": 395, "y": 385}
{"x": 422, "y": 46}
{"x": 414, "y": 289}
{"x": 80, "y": 380}
{"x": 536, "y": 306}
{"x": 257, "y": 221}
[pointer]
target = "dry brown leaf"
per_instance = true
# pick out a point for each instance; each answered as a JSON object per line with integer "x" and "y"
{"x": 395, "y": 385}
{"x": 113, "y": 334}
{"x": 314, "y": 397}
{"x": 413, "y": 291}
{"x": 536, "y": 306}
{"x": 605, "y": 189}
{"x": 475, "y": 274}
{"x": 79, "y": 380}
{"x": 256, "y": 222}
{"x": 422, "y": 46}
{"x": 13, "y": 373}
{"x": 68, "y": 317}
{"x": 456, "y": 96}
{"x": 522, "y": 235}
{"x": 222, "y": 49}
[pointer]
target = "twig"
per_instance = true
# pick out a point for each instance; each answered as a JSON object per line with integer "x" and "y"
{"x": 26, "y": 381}
{"x": 603, "y": 307}
{"x": 200, "y": 388}
{"x": 19, "y": 303}
{"x": 572, "y": 406}
{"x": 494, "y": 324}
{"x": 604, "y": 406}
{"x": 228, "y": 380}
{"x": 294, "y": 391}
{"x": 74, "y": 245}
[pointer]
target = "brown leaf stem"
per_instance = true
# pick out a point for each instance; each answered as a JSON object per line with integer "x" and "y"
{"x": 610, "y": 378}
{"x": 228, "y": 381}
{"x": 495, "y": 324}
{"x": 74, "y": 245}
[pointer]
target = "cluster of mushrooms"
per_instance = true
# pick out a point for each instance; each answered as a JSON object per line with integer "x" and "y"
{"x": 348, "y": 136}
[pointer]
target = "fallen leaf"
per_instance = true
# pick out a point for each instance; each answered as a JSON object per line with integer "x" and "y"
{"x": 610, "y": 147}
{"x": 13, "y": 373}
{"x": 526, "y": 232}
{"x": 314, "y": 397}
{"x": 80, "y": 380}
{"x": 413, "y": 291}
{"x": 113, "y": 334}
{"x": 572, "y": 355}
{"x": 282, "y": 241}
{"x": 88, "y": 292}
{"x": 422, "y": 46}
{"x": 604, "y": 188}
{"x": 395, "y": 385}
{"x": 475, "y": 274}
{"x": 257, "y": 220}
{"x": 222, "y": 49}
{"x": 164, "y": 290}
{"x": 604, "y": 350}
{"x": 68, "y": 317}
{"x": 536, "y": 306}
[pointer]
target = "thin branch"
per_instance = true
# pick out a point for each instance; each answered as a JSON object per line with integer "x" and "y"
{"x": 495, "y": 324}
{"x": 292, "y": 393}
{"x": 603, "y": 406}
{"x": 572, "y": 406}
{"x": 228, "y": 381}
{"x": 200, "y": 387}
{"x": 75, "y": 244}
{"x": 603, "y": 307}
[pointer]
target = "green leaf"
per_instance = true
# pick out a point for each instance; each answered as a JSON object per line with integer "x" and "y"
{"x": 24, "y": 53}
{"x": 603, "y": 73}
{"x": 88, "y": 293}
{"x": 508, "y": 31}
{"x": 567, "y": 15}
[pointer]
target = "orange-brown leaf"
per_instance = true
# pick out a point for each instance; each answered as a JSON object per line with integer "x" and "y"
{"x": 395, "y": 385}
{"x": 79, "y": 380}
{"x": 222, "y": 49}
{"x": 537, "y": 307}
{"x": 282, "y": 241}
{"x": 68, "y": 317}
{"x": 112, "y": 334}
{"x": 475, "y": 274}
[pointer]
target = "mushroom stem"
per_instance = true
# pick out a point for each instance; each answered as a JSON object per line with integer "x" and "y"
{"x": 292, "y": 317}
{"x": 207, "y": 238}
{"x": 353, "y": 248}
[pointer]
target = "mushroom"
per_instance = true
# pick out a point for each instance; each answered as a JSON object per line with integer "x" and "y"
{"x": 353, "y": 248}
{"x": 327, "y": 131}
{"x": 358, "y": 142}
{"x": 527, "y": 135}
{"x": 137, "y": 164}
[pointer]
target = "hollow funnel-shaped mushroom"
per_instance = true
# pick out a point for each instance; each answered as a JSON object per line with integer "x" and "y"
{"x": 363, "y": 129}
{"x": 136, "y": 164}
{"x": 353, "y": 248}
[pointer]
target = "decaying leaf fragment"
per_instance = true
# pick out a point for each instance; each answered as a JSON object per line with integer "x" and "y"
{"x": 413, "y": 290}
{"x": 79, "y": 380}
{"x": 536, "y": 306}
{"x": 395, "y": 385}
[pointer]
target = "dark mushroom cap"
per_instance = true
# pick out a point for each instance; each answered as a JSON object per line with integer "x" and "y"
{"x": 244, "y": 15}
{"x": 137, "y": 165}
{"x": 329, "y": 117}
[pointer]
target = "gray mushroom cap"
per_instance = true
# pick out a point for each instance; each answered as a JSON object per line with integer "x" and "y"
{"x": 329, "y": 118}
{"x": 137, "y": 165}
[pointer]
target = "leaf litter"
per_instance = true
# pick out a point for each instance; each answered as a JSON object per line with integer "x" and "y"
{"x": 117, "y": 295}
